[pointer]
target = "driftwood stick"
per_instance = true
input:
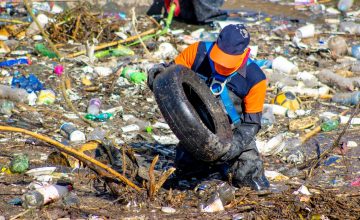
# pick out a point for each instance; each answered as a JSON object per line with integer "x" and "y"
{"x": 151, "y": 190}
{"x": 114, "y": 43}
{"x": 137, "y": 34}
{"x": 163, "y": 178}
{"x": 78, "y": 155}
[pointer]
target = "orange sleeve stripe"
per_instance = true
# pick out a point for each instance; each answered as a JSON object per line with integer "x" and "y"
{"x": 254, "y": 101}
{"x": 187, "y": 57}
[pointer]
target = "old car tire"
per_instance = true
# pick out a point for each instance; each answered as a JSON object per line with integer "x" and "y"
{"x": 192, "y": 112}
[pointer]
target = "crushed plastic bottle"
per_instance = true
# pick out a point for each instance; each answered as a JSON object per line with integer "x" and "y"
{"x": 31, "y": 83}
{"x": 6, "y": 107}
{"x": 97, "y": 134}
{"x": 134, "y": 75}
{"x": 293, "y": 153}
{"x": 214, "y": 195}
{"x": 45, "y": 195}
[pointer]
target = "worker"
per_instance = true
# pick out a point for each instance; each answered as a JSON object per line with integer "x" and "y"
{"x": 194, "y": 11}
{"x": 241, "y": 85}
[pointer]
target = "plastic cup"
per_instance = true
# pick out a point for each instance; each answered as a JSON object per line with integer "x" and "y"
{"x": 305, "y": 31}
{"x": 281, "y": 64}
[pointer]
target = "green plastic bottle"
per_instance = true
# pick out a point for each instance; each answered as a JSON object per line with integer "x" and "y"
{"x": 100, "y": 117}
{"x": 134, "y": 75}
{"x": 116, "y": 52}
{"x": 43, "y": 50}
{"x": 330, "y": 125}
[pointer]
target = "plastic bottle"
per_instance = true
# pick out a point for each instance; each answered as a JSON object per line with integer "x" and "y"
{"x": 338, "y": 46}
{"x": 283, "y": 65}
{"x": 33, "y": 28}
{"x": 263, "y": 63}
{"x": 100, "y": 117}
{"x": 214, "y": 195}
{"x": 268, "y": 117}
{"x": 6, "y": 107}
{"x": 94, "y": 106}
{"x": 350, "y": 27}
{"x": 345, "y": 5}
{"x": 116, "y": 52}
{"x": 272, "y": 146}
{"x": 133, "y": 75}
{"x": 71, "y": 132}
{"x": 43, "y": 50}
{"x": 13, "y": 94}
{"x": 351, "y": 98}
{"x": 13, "y": 62}
{"x": 355, "y": 67}
{"x": 44, "y": 195}
{"x": 329, "y": 125}
{"x": 355, "y": 51}
{"x": 97, "y": 134}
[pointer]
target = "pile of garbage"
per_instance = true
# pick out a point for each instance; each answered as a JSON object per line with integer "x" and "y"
{"x": 82, "y": 136}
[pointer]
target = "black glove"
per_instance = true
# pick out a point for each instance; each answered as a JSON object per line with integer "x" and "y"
{"x": 153, "y": 72}
{"x": 243, "y": 135}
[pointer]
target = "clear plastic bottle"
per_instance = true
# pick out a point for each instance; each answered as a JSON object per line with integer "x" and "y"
{"x": 6, "y": 107}
{"x": 96, "y": 134}
{"x": 355, "y": 67}
{"x": 33, "y": 28}
{"x": 13, "y": 94}
{"x": 345, "y": 5}
{"x": 44, "y": 195}
{"x": 355, "y": 51}
{"x": 338, "y": 45}
{"x": 214, "y": 195}
{"x": 351, "y": 98}
{"x": 350, "y": 27}
{"x": 94, "y": 106}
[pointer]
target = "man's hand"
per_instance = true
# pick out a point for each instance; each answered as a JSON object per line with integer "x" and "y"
{"x": 153, "y": 72}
